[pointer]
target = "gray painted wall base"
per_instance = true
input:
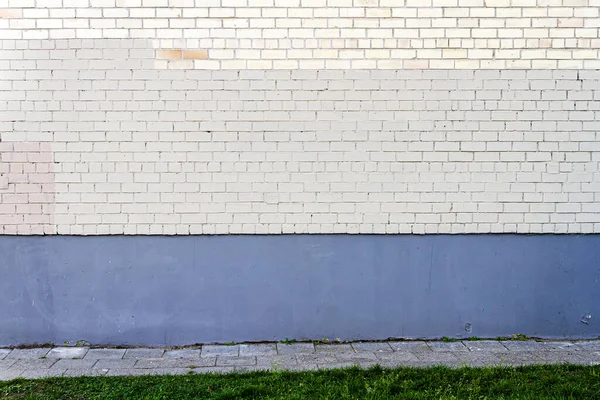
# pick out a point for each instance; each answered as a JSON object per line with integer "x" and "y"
{"x": 154, "y": 290}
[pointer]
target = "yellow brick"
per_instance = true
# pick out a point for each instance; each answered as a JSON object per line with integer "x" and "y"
{"x": 168, "y": 54}
{"x": 195, "y": 55}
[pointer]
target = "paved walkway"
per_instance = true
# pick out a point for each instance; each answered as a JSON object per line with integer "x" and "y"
{"x": 79, "y": 361}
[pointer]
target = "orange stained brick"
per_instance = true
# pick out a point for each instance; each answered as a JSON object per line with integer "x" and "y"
{"x": 195, "y": 54}
{"x": 168, "y": 54}
{"x": 10, "y": 13}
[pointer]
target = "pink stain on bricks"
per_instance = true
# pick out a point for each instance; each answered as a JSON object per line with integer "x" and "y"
{"x": 178, "y": 54}
{"x": 27, "y": 188}
{"x": 6, "y": 13}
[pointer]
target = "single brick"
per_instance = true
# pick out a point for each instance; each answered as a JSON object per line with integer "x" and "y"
{"x": 195, "y": 54}
{"x": 168, "y": 54}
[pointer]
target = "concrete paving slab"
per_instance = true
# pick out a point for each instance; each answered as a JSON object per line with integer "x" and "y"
{"x": 560, "y": 345}
{"x": 525, "y": 345}
{"x": 140, "y": 372}
{"x": 333, "y": 348}
{"x": 217, "y": 350}
{"x": 145, "y": 353}
{"x": 36, "y": 363}
{"x": 74, "y": 364}
{"x": 317, "y": 358}
{"x": 516, "y": 358}
{"x": 411, "y": 346}
{"x": 277, "y": 362}
{"x": 4, "y": 353}
{"x": 114, "y": 364}
{"x": 484, "y": 345}
{"x": 375, "y": 347}
{"x": 9, "y": 374}
{"x": 478, "y": 358}
{"x": 5, "y": 364}
{"x": 295, "y": 348}
{"x": 258, "y": 349}
{"x": 447, "y": 346}
{"x": 224, "y": 361}
{"x": 84, "y": 372}
{"x": 29, "y": 354}
{"x": 211, "y": 370}
{"x": 363, "y": 356}
{"x": 438, "y": 357}
{"x": 42, "y": 373}
{"x": 182, "y": 353}
{"x": 397, "y": 357}
{"x": 588, "y": 345}
{"x": 103, "y": 354}
{"x": 67, "y": 352}
{"x": 149, "y": 363}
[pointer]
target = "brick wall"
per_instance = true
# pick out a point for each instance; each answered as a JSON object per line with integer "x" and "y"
{"x": 319, "y": 116}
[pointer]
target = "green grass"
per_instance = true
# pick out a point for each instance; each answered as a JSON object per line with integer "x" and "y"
{"x": 535, "y": 382}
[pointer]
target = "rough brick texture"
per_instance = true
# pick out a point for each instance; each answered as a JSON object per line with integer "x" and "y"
{"x": 262, "y": 116}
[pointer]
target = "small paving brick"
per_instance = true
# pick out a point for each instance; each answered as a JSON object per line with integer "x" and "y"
{"x": 518, "y": 345}
{"x": 333, "y": 348}
{"x": 9, "y": 374}
{"x": 74, "y": 364}
{"x": 146, "y": 363}
{"x": 114, "y": 364}
{"x": 28, "y": 354}
{"x": 210, "y": 370}
{"x": 39, "y": 363}
{"x": 67, "y": 352}
{"x": 113, "y": 354}
{"x": 4, "y": 353}
{"x": 295, "y": 348}
{"x": 220, "y": 350}
{"x": 42, "y": 373}
{"x": 143, "y": 353}
{"x": 484, "y": 345}
{"x": 182, "y": 353}
{"x": 375, "y": 347}
{"x": 258, "y": 349}
{"x": 397, "y": 358}
{"x": 224, "y": 361}
{"x": 447, "y": 346}
{"x": 140, "y": 372}
{"x": 437, "y": 357}
{"x": 411, "y": 346}
{"x": 85, "y": 372}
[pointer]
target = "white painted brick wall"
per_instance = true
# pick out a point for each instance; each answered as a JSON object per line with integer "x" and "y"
{"x": 262, "y": 116}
